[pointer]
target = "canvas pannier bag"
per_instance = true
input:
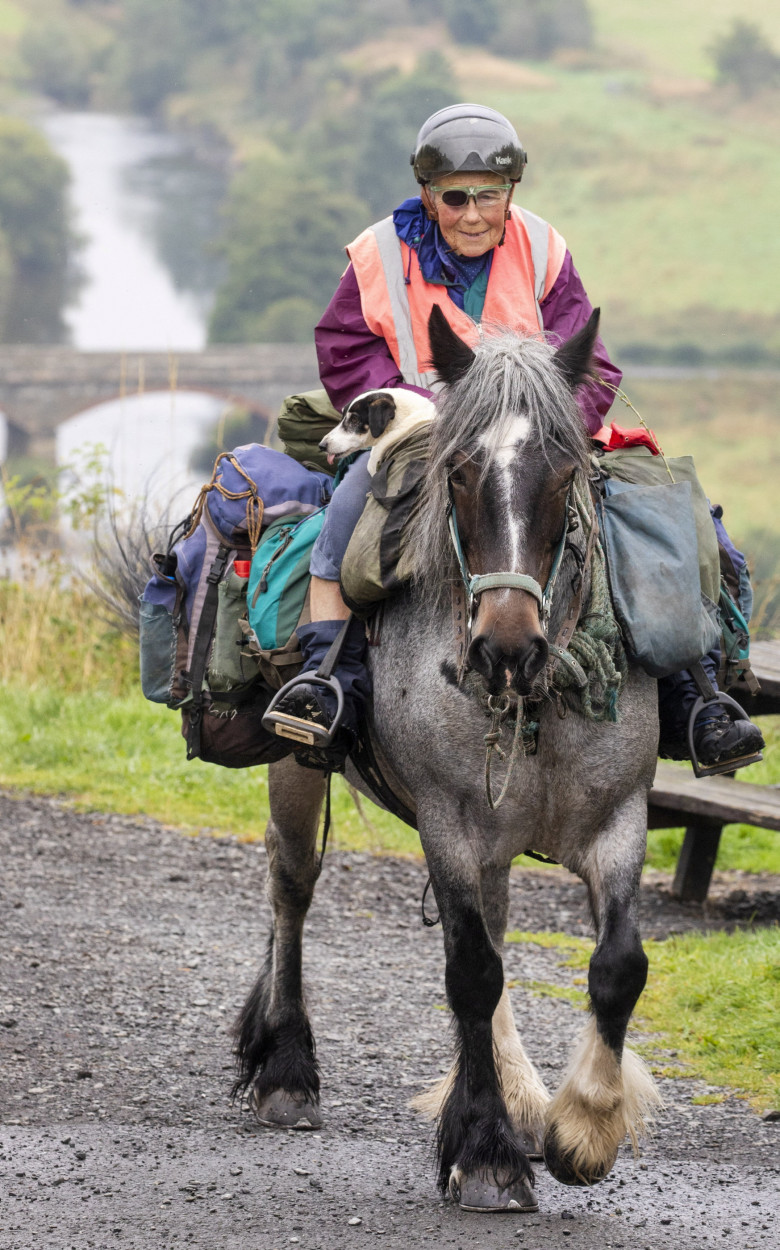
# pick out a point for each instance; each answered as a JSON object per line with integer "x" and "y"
{"x": 652, "y": 554}
{"x": 194, "y": 653}
{"x": 304, "y": 419}
{"x": 378, "y": 559}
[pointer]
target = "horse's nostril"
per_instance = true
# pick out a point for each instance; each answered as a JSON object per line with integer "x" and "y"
{"x": 484, "y": 656}
{"x": 534, "y": 659}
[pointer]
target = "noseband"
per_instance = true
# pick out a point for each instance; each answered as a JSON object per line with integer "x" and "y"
{"x": 509, "y": 581}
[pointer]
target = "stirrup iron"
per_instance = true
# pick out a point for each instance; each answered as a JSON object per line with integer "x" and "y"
{"x": 308, "y": 733}
{"x": 708, "y": 695}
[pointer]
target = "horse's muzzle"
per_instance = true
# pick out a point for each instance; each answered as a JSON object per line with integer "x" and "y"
{"x": 503, "y": 669}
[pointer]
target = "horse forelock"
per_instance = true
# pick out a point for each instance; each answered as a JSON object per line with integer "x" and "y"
{"x": 512, "y": 393}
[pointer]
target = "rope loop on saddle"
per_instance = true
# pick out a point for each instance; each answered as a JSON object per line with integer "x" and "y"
{"x": 254, "y": 504}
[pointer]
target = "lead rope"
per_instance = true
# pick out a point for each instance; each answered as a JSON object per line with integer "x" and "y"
{"x": 500, "y": 710}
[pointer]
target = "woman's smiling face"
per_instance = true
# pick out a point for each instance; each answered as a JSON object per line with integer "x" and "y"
{"x": 471, "y": 230}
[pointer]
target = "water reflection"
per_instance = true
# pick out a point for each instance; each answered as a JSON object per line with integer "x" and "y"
{"x": 150, "y": 439}
{"x": 147, "y": 210}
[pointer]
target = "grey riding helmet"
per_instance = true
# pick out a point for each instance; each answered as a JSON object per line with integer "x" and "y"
{"x": 467, "y": 137}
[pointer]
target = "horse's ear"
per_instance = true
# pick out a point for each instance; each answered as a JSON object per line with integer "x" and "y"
{"x": 450, "y": 356}
{"x": 574, "y": 358}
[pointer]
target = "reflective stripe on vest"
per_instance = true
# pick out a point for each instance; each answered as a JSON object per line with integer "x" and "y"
{"x": 397, "y": 310}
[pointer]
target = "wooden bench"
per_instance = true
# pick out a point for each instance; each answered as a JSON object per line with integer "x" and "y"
{"x": 703, "y": 807}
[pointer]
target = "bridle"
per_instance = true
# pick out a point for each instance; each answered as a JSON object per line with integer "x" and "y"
{"x": 475, "y": 585}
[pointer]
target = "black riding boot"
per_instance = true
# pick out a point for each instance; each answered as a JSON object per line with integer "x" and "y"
{"x": 717, "y": 738}
{"x": 311, "y": 703}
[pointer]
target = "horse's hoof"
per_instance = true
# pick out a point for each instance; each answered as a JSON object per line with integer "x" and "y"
{"x": 561, "y": 1166}
{"x": 282, "y": 1110}
{"x": 484, "y": 1192}
{"x": 530, "y": 1144}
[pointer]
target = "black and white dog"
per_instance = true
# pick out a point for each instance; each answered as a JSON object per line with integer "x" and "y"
{"x": 377, "y": 420}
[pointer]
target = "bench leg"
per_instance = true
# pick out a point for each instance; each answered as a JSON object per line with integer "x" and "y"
{"x": 696, "y": 862}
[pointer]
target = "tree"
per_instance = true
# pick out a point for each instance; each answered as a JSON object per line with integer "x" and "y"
{"x": 284, "y": 242}
{"x": 744, "y": 56}
{"x": 35, "y": 221}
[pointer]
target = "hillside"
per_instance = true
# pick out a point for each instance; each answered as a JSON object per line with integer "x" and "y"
{"x": 664, "y": 185}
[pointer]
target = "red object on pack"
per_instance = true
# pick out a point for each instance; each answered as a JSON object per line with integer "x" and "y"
{"x": 615, "y": 438}
{"x": 242, "y": 568}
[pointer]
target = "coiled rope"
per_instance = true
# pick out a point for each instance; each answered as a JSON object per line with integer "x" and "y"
{"x": 596, "y": 643}
{"x": 254, "y": 504}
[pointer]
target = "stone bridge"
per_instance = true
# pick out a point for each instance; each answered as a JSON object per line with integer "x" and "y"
{"x": 40, "y": 387}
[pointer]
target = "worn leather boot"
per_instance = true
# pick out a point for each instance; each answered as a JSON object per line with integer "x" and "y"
{"x": 317, "y": 705}
{"x": 717, "y": 738}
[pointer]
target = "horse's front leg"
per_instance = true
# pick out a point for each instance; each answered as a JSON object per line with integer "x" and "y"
{"x": 524, "y": 1093}
{"x": 607, "y": 1092}
{"x": 274, "y": 1042}
{"x": 481, "y": 1158}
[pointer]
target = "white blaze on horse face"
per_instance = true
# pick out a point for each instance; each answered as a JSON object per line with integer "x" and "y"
{"x": 512, "y": 435}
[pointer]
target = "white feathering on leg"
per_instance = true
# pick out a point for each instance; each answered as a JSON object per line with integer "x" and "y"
{"x": 524, "y": 1093}
{"x": 600, "y": 1100}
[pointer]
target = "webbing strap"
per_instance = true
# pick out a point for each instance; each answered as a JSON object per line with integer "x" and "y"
{"x": 539, "y": 236}
{"x": 334, "y": 651}
{"x": 392, "y": 263}
{"x": 200, "y": 651}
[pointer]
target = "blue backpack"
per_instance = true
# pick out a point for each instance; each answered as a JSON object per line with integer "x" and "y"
{"x": 197, "y": 652}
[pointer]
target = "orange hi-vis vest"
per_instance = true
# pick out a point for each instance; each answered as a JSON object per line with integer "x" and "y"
{"x": 396, "y": 300}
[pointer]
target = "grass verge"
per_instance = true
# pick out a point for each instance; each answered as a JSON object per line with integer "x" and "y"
{"x": 714, "y": 996}
{"x": 120, "y": 753}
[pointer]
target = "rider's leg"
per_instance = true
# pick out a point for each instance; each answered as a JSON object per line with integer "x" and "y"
{"x": 716, "y": 736}
{"x": 313, "y": 702}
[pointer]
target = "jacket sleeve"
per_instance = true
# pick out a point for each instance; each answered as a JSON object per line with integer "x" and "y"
{"x": 352, "y": 359}
{"x": 565, "y": 310}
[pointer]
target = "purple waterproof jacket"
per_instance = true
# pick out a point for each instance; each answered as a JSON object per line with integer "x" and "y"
{"x": 352, "y": 359}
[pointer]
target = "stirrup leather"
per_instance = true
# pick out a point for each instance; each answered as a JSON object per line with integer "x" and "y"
{"x": 309, "y": 733}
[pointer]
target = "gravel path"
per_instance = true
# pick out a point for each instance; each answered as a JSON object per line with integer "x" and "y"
{"x": 127, "y": 949}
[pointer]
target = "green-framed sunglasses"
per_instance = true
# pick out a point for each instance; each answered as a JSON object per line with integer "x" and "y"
{"x": 483, "y": 196}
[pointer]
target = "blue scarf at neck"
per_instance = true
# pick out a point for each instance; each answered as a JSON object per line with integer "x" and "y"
{"x": 438, "y": 263}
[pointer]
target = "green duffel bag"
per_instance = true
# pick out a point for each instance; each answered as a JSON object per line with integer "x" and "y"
{"x": 377, "y": 561}
{"x": 304, "y": 419}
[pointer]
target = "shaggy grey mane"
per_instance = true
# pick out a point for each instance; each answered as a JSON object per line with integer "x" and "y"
{"x": 510, "y": 376}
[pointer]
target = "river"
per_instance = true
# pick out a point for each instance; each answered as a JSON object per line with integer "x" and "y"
{"x": 146, "y": 204}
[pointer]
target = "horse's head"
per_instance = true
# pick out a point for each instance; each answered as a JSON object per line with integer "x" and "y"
{"x": 509, "y": 443}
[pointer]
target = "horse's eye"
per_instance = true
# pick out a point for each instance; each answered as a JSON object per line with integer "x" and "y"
{"x": 457, "y": 478}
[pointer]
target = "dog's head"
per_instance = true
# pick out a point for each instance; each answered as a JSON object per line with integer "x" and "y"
{"x": 364, "y": 422}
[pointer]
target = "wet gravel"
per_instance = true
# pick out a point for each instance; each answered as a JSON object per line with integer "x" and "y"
{"x": 126, "y": 951}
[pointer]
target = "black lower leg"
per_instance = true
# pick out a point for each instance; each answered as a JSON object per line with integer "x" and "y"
{"x": 474, "y": 1132}
{"x": 617, "y": 973}
{"x": 274, "y": 1042}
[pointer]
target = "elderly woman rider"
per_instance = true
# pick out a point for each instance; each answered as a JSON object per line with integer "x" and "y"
{"x": 463, "y": 245}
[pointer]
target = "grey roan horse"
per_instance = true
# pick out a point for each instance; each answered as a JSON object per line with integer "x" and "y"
{"x": 506, "y": 444}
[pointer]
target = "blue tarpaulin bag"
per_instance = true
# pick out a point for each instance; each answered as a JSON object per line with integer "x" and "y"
{"x": 652, "y": 551}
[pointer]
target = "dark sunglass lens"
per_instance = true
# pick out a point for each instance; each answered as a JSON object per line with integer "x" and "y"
{"x": 454, "y": 199}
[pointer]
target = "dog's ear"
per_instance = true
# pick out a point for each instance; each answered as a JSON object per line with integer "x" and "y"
{"x": 381, "y": 410}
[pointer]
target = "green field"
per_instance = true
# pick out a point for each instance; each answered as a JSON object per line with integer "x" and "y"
{"x": 714, "y": 995}
{"x": 119, "y": 753}
{"x": 673, "y": 35}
